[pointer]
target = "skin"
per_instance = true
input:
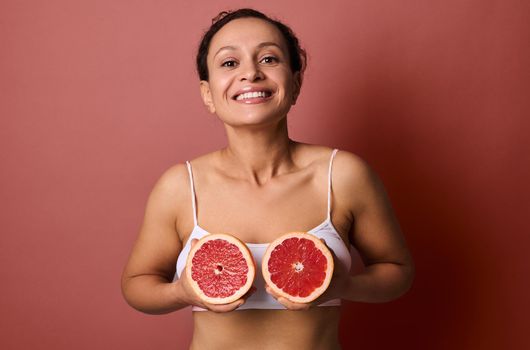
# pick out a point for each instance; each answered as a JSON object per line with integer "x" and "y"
{"x": 263, "y": 174}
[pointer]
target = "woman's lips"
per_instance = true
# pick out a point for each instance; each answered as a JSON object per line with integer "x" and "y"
{"x": 253, "y": 98}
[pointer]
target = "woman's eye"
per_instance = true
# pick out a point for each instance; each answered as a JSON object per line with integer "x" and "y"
{"x": 269, "y": 59}
{"x": 230, "y": 63}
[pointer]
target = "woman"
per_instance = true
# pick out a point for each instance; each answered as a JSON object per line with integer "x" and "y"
{"x": 260, "y": 186}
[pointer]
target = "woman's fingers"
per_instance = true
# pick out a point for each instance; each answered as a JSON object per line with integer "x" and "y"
{"x": 251, "y": 291}
{"x": 271, "y": 292}
{"x": 292, "y": 305}
{"x": 286, "y": 302}
{"x": 224, "y": 307}
{"x": 230, "y": 306}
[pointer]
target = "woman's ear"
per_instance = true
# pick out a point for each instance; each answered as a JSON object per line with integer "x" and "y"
{"x": 297, "y": 82}
{"x": 207, "y": 96}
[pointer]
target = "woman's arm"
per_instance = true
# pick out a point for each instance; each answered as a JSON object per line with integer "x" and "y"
{"x": 375, "y": 232}
{"x": 377, "y": 236}
{"x": 147, "y": 278}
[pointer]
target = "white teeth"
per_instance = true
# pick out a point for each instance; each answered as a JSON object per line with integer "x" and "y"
{"x": 252, "y": 95}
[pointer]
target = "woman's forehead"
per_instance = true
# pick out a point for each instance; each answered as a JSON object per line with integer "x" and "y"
{"x": 243, "y": 32}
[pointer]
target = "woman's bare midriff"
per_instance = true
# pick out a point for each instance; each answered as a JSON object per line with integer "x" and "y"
{"x": 315, "y": 328}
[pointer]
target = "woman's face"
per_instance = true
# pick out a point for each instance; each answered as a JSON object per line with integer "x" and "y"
{"x": 250, "y": 80}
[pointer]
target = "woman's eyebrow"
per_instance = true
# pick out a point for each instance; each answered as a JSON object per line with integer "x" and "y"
{"x": 259, "y": 46}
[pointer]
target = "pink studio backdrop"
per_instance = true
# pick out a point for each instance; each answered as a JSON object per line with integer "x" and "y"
{"x": 98, "y": 98}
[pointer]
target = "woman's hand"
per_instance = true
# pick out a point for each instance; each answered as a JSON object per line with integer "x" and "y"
{"x": 336, "y": 288}
{"x": 190, "y": 297}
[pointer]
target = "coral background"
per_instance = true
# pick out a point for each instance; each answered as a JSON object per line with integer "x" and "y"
{"x": 98, "y": 98}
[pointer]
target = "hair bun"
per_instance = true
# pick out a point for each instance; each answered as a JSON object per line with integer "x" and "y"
{"x": 220, "y": 16}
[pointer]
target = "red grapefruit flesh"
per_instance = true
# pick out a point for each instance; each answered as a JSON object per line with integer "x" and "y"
{"x": 220, "y": 268}
{"x": 298, "y": 266}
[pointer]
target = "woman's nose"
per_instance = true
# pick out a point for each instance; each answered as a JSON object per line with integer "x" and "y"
{"x": 251, "y": 72}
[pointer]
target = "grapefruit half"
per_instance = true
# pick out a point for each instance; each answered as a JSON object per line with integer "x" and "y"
{"x": 220, "y": 268}
{"x": 298, "y": 266}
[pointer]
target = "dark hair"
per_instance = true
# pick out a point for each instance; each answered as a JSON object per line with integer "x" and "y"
{"x": 297, "y": 55}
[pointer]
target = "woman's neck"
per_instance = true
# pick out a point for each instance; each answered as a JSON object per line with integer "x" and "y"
{"x": 258, "y": 156}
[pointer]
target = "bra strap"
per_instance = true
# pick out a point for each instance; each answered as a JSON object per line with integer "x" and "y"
{"x": 192, "y": 194}
{"x": 329, "y": 182}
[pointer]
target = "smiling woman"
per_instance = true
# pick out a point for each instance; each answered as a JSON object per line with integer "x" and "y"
{"x": 257, "y": 188}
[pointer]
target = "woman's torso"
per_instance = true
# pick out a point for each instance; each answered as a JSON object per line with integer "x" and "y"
{"x": 316, "y": 328}
{"x": 294, "y": 201}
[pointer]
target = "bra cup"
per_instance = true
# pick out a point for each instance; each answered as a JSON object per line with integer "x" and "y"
{"x": 197, "y": 233}
{"x": 336, "y": 244}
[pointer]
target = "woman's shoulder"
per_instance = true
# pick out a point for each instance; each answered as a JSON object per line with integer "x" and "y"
{"x": 176, "y": 178}
{"x": 347, "y": 162}
{"x": 204, "y": 160}
{"x": 172, "y": 186}
{"x": 173, "y": 176}
{"x": 179, "y": 173}
{"x": 343, "y": 162}
{"x": 350, "y": 172}
{"x": 353, "y": 179}
{"x": 357, "y": 183}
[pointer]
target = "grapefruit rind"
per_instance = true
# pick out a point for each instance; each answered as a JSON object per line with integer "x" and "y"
{"x": 317, "y": 291}
{"x": 248, "y": 258}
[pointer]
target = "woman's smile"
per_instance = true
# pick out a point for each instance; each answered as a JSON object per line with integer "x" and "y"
{"x": 253, "y": 96}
